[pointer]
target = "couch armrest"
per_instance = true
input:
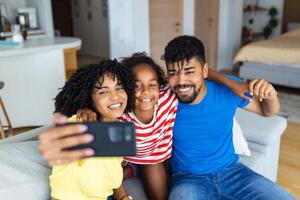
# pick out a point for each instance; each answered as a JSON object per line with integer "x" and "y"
{"x": 260, "y": 130}
{"x": 27, "y": 136}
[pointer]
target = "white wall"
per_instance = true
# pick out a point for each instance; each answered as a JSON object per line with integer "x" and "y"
{"x": 141, "y": 26}
{"x": 261, "y": 18}
{"x": 121, "y": 31}
{"x": 230, "y": 28}
{"x": 44, "y": 12}
{"x": 188, "y": 17}
{"x": 11, "y": 7}
{"x": 128, "y": 27}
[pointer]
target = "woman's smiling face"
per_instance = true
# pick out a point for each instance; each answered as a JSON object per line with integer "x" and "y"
{"x": 109, "y": 98}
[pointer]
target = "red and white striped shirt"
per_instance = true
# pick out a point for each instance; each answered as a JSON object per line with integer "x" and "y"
{"x": 154, "y": 140}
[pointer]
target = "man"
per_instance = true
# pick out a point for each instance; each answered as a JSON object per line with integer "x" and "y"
{"x": 203, "y": 162}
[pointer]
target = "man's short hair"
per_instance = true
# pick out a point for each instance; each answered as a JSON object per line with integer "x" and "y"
{"x": 183, "y": 48}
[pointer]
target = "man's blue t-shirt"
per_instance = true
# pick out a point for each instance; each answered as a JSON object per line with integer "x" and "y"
{"x": 202, "y": 140}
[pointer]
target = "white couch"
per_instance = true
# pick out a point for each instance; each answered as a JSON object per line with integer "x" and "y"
{"x": 24, "y": 174}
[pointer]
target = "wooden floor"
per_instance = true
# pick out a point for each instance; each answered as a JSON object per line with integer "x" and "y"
{"x": 289, "y": 160}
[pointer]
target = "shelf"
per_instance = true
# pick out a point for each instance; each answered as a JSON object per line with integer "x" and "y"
{"x": 258, "y": 34}
{"x": 254, "y": 8}
{"x": 29, "y": 33}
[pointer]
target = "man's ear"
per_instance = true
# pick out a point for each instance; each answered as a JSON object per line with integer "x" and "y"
{"x": 205, "y": 70}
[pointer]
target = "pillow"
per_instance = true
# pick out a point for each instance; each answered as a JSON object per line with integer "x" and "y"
{"x": 239, "y": 142}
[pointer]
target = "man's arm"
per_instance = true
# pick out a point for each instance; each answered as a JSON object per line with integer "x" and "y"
{"x": 265, "y": 100}
{"x": 239, "y": 88}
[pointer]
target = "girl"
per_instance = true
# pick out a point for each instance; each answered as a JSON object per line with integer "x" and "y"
{"x": 106, "y": 89}
{"x": 153, "y": 115}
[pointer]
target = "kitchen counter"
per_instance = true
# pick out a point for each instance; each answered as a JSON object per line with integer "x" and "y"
{"x": 33, "y": 72}
{"x": 38, "y": 45}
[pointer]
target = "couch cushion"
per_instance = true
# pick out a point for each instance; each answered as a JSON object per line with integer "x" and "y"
{"x": 135, "y": 188}
{"x": 24, "y": 174}
{"x": 261, "y": 130}
{"x": 27, "y": 136}
{"x": 254, "y": 161}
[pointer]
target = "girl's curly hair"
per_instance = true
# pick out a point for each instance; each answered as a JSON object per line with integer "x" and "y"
{"x": 142, "y": 58}
{"x": 76, "y": 93}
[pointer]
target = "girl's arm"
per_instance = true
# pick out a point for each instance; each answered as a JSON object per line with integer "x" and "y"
{"x": 239, "y": 88}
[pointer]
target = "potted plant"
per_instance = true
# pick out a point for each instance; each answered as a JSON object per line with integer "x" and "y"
{"x": 273, "y": 22}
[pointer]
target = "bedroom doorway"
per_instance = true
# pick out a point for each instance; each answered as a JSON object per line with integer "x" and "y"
{"x": 206, "y": 28}
{"x": 166, "y": 19}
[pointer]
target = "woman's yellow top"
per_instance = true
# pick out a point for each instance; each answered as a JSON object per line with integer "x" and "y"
{"x": 88, "y": 179}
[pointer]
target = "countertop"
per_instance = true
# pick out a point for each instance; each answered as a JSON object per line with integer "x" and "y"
{"x": 39, "y": 44}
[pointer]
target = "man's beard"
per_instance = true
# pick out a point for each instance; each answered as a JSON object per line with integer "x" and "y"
{"x": 188, "y": 98}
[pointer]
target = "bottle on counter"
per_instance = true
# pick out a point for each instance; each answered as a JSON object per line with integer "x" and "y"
{"x": 24, "y": 33}
{"x": 16, "y": 33}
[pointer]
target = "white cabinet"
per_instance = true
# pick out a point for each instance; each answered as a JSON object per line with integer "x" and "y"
{"x": 90, "y": 23}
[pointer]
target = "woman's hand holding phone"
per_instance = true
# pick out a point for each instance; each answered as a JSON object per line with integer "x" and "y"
{"x": 54, "y": 140}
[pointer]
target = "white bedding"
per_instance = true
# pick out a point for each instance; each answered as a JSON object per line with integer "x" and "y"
{"x": 282, "y": 49}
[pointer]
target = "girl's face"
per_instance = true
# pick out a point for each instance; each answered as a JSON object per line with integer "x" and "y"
{"x": 110, "y": 99}
{"x": 146, "y": 89}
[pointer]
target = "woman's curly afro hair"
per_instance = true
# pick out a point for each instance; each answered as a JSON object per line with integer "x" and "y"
{"x": 76, "y": 93}
{"x": 142, "y": 58}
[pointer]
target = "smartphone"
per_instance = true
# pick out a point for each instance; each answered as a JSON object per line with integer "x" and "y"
{"x": 110, "y": 139}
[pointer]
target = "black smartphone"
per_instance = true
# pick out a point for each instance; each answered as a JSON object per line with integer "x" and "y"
{"x": 110, "y": 139}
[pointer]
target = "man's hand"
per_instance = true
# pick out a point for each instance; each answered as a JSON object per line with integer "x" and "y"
{"x": 86, "y": 115}
{"x": 262, "y": 89}
{"x": 54, "y": 140}
{"x": 265, "y": 101}
{"x": 258, "y": 87}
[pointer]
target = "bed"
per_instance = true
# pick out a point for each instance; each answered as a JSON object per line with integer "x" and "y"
{"x": 276, "y": 60}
